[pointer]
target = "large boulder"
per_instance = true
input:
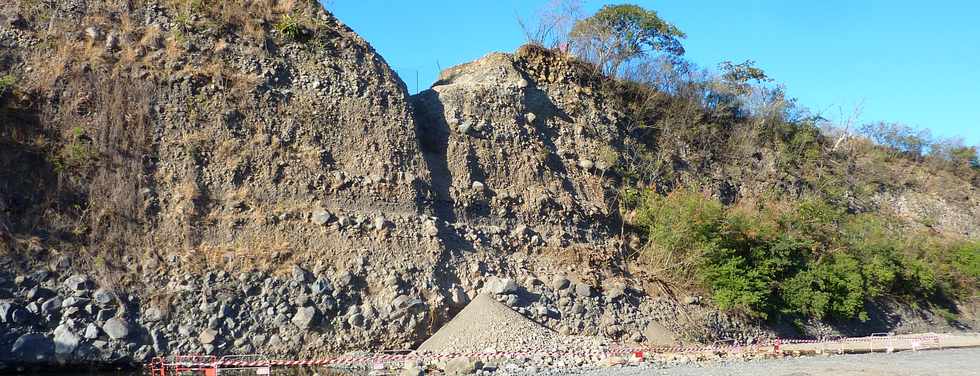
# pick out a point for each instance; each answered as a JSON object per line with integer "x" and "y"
{"x": 32, "y": 347}
{"x": 51, "y": 306}
{"x": 501, "y": 286}
{"x": 65, "y": 341}
{"x": 116, "y": 328}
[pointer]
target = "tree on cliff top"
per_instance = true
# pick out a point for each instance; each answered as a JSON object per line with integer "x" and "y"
{"x": 617, "y": 34}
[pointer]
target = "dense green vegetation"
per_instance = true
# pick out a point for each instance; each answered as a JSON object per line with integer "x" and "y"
{"x": 806, "y": 258}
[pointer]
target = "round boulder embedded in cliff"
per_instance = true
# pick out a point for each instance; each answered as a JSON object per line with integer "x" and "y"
{"x": 116, "y": 328}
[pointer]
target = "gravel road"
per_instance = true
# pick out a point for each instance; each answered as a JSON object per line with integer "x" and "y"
{"x": 953, "y": 362}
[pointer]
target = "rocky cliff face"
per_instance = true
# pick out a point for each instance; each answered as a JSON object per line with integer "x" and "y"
{"x": 234, "y": 187}
{"x": 254, "y": 178}
{"x": 149, "y": 142}
{"x": 508, "y": 148}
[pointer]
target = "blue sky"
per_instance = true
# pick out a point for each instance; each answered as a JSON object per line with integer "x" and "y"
{"x": 906, "y": 61}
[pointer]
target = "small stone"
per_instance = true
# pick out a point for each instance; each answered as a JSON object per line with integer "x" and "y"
{"x": 500, "y": 286}
{"x": 7, "y": 311}
{"x": 153, "y": 314}
{"x": 321, "y": 216}
{"x": 541, "y": 311}
{"x": 356, "y": 319}
{"x": 78, "y": 283}
{"x": 585, "y": 163}
{"x": 207, "y": 336}
{"x": 321, "y": 286}
{"x": 615, "y": 292}
{"x": 305, "y": 317}
{"x": 37, "y": 292}
{"x": 71, "y": 311}
{"x": 105, "y": 314}
{"x": 111, "y": 42}
{"x": 613, "y": 361}
{"x": 51, "y": 305}
{"x": 405, "y": 302}
{"x": 463, "y": 366}
{"x": 226, "y": 310}
{"x": 40, "y": 275}
{"x": 73, "y": 301}
{"x": 379, "y": 223}
{"x": 692, "y": 300}
{"x": 345, "y": 221}
{"x": 116, "y": 328}
{"x": 300, "y": 275}
{"x": 464, "y": 127}
{"x": 477, "y": 187}
{"x": 301, "y": 300}
{"x": 560, "y": 283}
{"x": 91, "y": 331}
{"x": 583, "y": 290}
{"x": 458, "y": 297}
{"x": 530, "y": 117}
{"x": 104, "y": 297}
{"x": 430, "y": 229}
{"x": 93, "y": 33}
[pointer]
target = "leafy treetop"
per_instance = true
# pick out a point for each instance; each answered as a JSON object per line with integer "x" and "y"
{"x": 619, "y": 33}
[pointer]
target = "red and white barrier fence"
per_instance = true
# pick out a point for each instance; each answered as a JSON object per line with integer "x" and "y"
{"x": 209, "y": 365}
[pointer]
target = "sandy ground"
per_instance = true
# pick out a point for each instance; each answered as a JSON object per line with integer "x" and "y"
{"x": 955, "y": 362}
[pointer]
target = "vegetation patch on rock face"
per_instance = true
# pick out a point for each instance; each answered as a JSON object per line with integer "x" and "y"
{"x": 798, "y": 259}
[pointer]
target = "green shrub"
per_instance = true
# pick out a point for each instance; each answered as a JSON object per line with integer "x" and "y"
{"x": 832, "y": 287}
{"x": 678, "y": 229}
{"x": 680, "y": 220}
{"x": 965, "y": 267}
{"x": 291, "y": 28}
{"x": 812, "y": 261}
{"x": 7, "y": 82}
{"x": 736, "y": 284}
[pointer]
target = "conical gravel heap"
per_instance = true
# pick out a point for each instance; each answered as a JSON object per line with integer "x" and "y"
{"x": 486, "y": 325}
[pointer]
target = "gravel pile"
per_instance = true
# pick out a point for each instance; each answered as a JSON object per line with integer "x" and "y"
{"x": 487, "y": 325}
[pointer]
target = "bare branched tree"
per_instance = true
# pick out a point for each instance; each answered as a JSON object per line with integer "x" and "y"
{"x": 847, "y": 122}
{"x": 554, "y": 22}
